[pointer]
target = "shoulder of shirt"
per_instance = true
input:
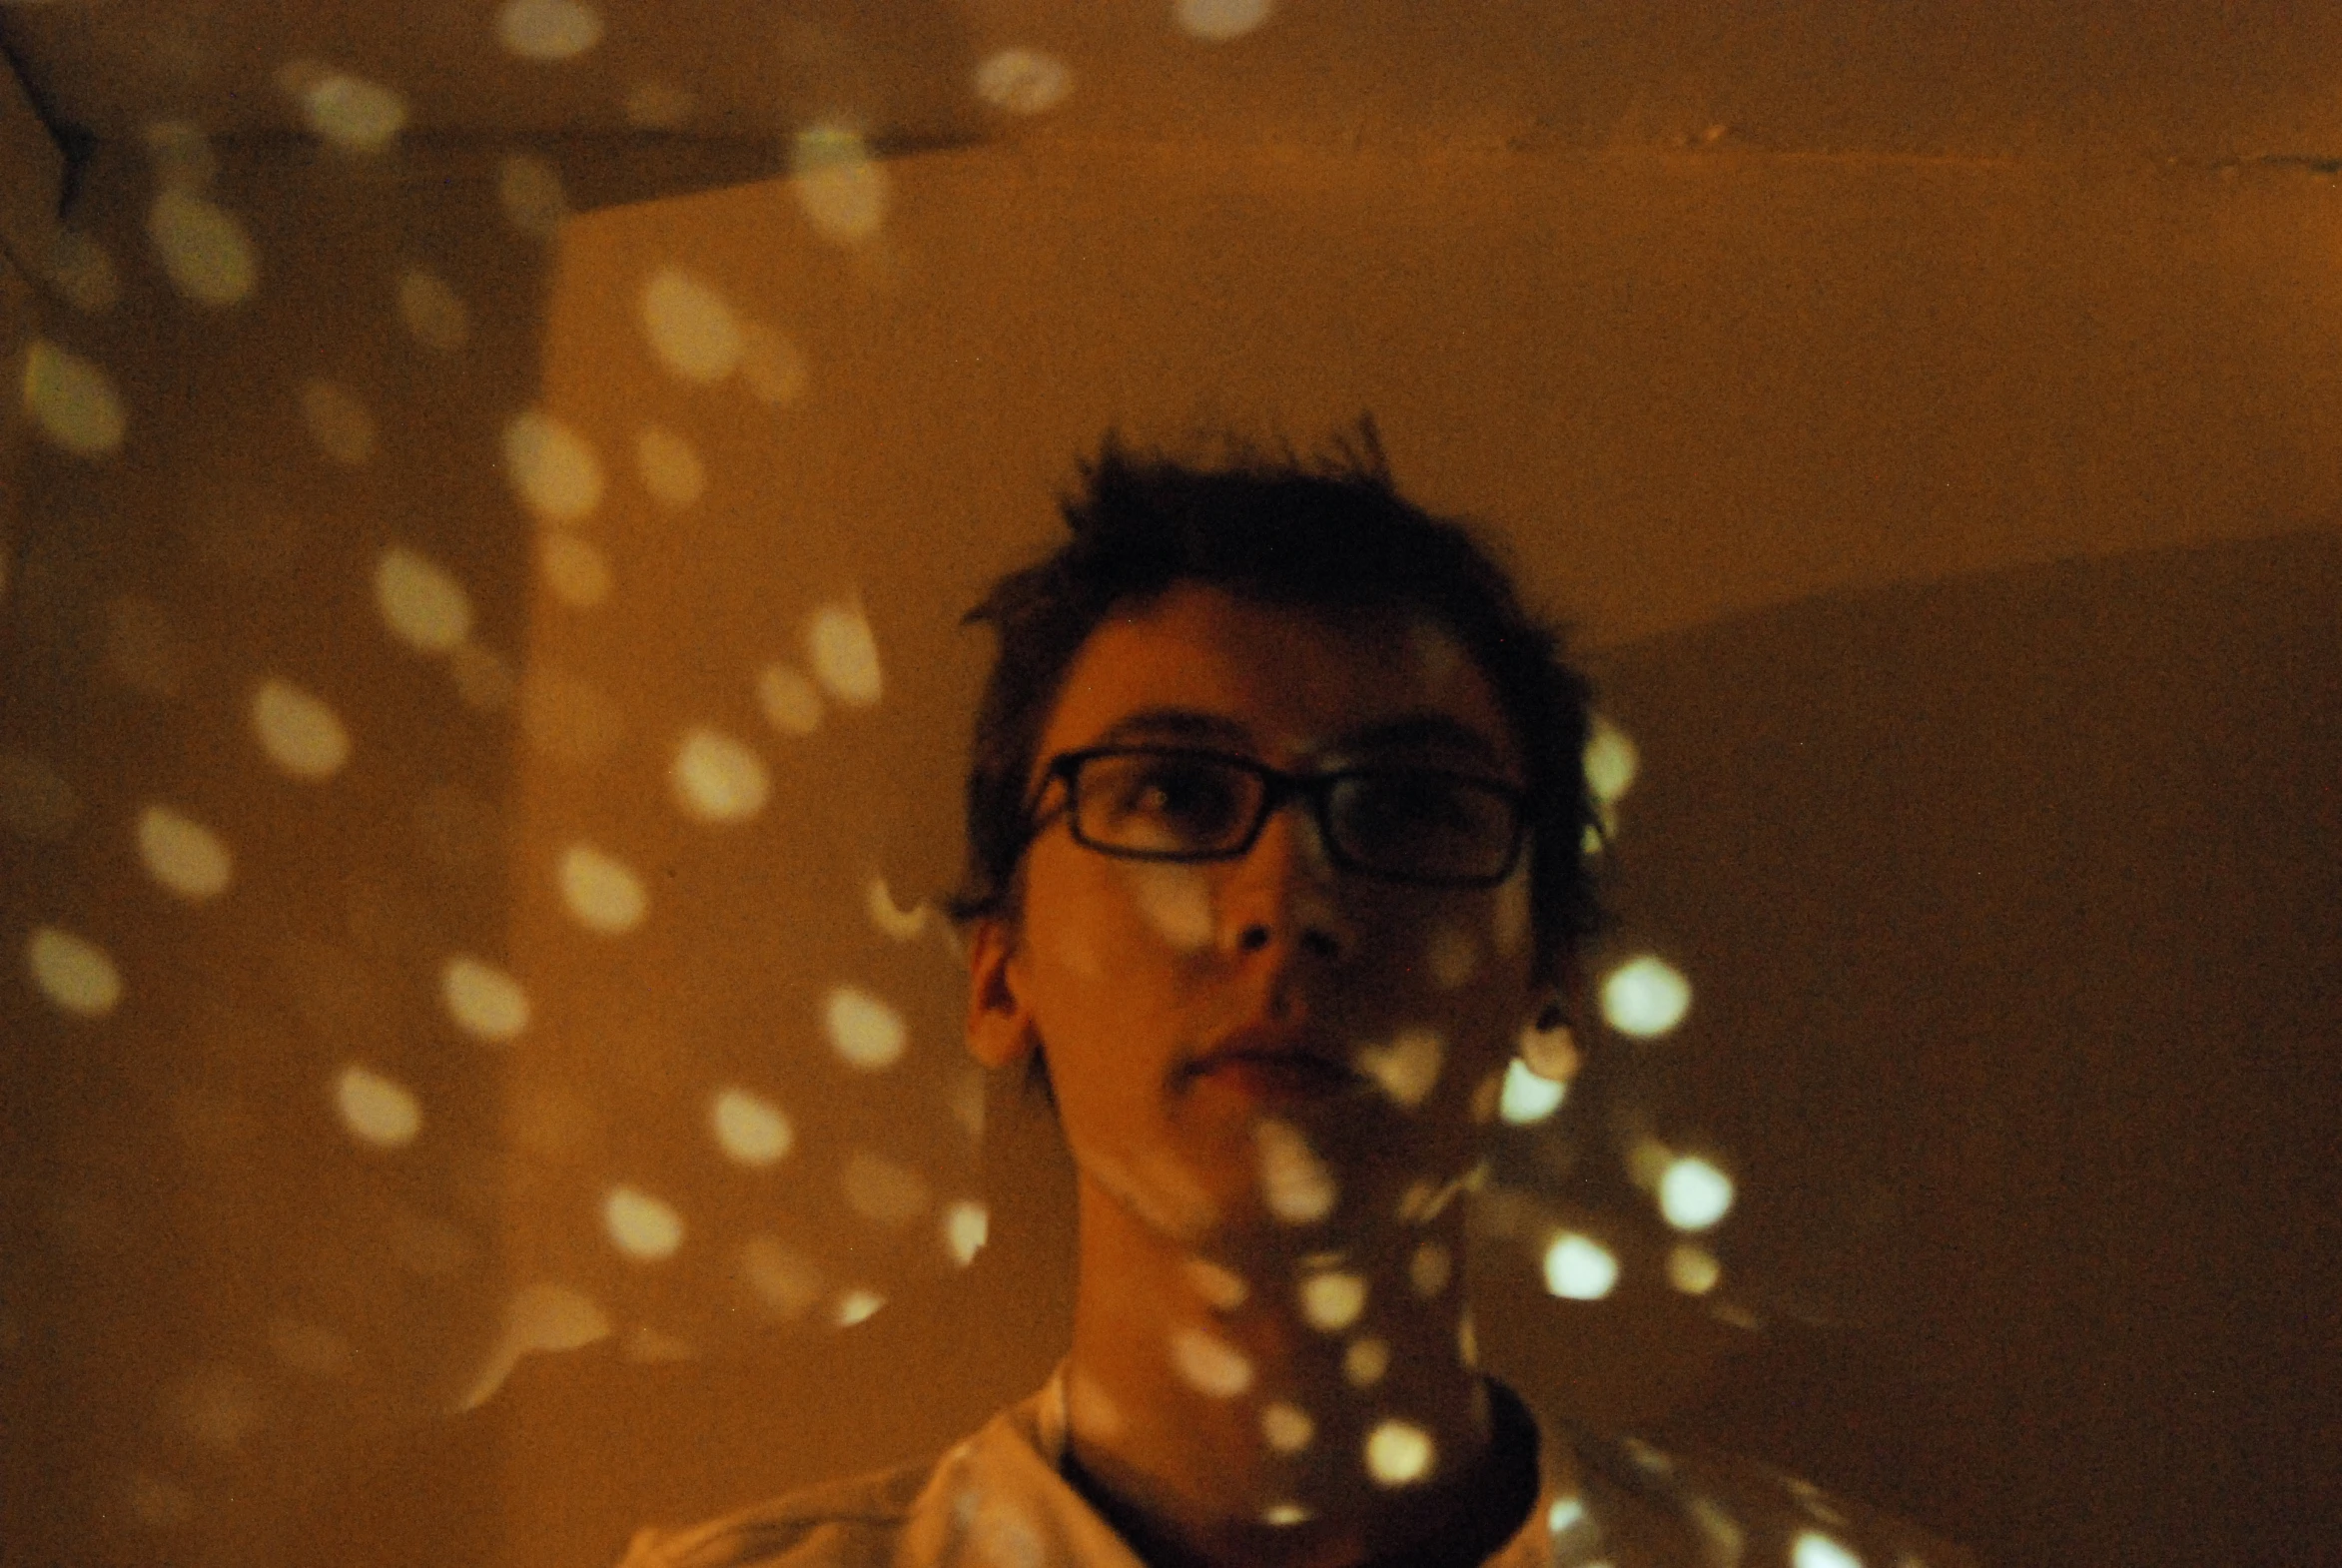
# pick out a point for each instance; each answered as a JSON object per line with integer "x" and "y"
{"x": 1730, "y": 1508}
{"x": 836, "y": 1525}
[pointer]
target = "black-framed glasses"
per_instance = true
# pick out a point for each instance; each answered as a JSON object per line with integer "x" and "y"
{"x": 1425, "y": 825}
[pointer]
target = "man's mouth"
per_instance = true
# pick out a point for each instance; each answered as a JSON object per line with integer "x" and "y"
{"x": 1279, "y": 1071}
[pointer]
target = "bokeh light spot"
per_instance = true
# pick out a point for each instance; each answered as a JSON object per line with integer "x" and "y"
{"x": 337, "y": 423}
{"x": 791, "y": 704}
{"x": 376, "y": 1110}
{"x": 1693, "y": 1195}
{"x": 182, "y": 854}
{"x": 548, "y": 30}
{"x": 1215, "y": 21}
{"x": 1645, "y": 997}
{"x": 643, "y": 1228}
{"x": 351, "y": 113}
{"x": 528, "y": 189}
{"x": 966, "y": 1227}
{"x": 600, "y": 891}
{"x": 1285, "y": 1429}
{"x": 1610, "y": 761}
{"x": 691, "y": 326}
{"x": 423, "y": 606}
{"x": 1693, "y": 1269}
{"x": 1221, "y": 1288}
{"x": 903, "y": 925}
{"x": 1399, "y": 1453}
{"x": 719, "y": 779}
{"x": 1550, "y": 1052}
{"x": 1365, "y": 1361}
{"x": 73, "y": 971}
{"x": 297, "y": 731}
{"x": 485, "y": 1002}
{"x": 1528, "y": 1097}
{"x": 1813, "y": 1549}
{"x": 783, "y": 1279}
{"x": 1283, "y": 1517}
{"x": 669, "y": 470}
{"x": 576, "y": 570}
{"x": 1579, "y": 1269}
{"x": 204, "y": 248}
{"x": 864, "y": 1032}
{"x": 1332, "y": 1299}
{"x": 844, "y": 654}
{"x": 540, "y": 1317}
{"x": 551, "y": 465}
{"x": 1406, "y": 1067}
{"x": 857, "y": 1305}
{"x": 1295, "y": 1182}
{"x": 749, "y": 1128}
{"x": 434, "y": 313}
{"x": 883, "y": 1192}
{"x": 1209, "y": 1364}
{"x": 840, "y": 186}
{"x": 1022, "y": 81}
{"x": 36, "y": 802}
{"x": 1429, "y": 1268}
{"x": 72, "y": 401}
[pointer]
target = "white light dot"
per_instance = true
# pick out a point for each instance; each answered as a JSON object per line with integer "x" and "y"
{"x": 433, "y": 312}
{"x": 83, "y": 271}
{"x": 771, "y": 367}
{"x": 600, "y": 891}
{"x": 1528, "y": 1098}
{"x": 72, "y": 401}
{"x": 1406, "y": 1067}
{"x": 377, "y": 1109}
{"x": 1610, "y": 761}
{"x": 1645, "y": 997}
{"x": 182, "y": 854}
{"x": 1693, "y": 1195}
{"x": 528, "y": 189}
{"x": 1283, "y": 1517}
{"x": 670, "y": 471}
{"x": 1398, "y": 1453}
{"x": 1693, "y": 1269}
{"x": 485, "y": 1002}
{"x": 1287, "y": 1428}
{"x": 423, "y": 606}
{"x": 204, "y": 248}
{"x": 1429, "y": 1268}
{"x": 783, "y": 1277}
{"x": 548, "y": 30}
{"x": 1215, "y": 21}
{"x": 1566, "y": 1514}
{"x": 966, "y": 1226}
{"x": 1813, "y": 1549}
{"x": 353, "y": 113}
{"x": 864, "y": 1030}
{"x": 73, "y": 971}
{"x": 1467, "y": 1340}
{"x": 841, "y": 189}
{"x": 1223, "y": 1289}
{"x": 719, "y": 779}
{"x": 1579, "y": 1269}
{"x": 691, "y": 328}
{"x": 749, "y": 1128}
{"x": 297, "y": 731}
{"x": 844, "y": 654}
{"x": 901, "y": 923}
{"x": 551, "y": 467}
{"x": 882, "y": 1192}
{"x": 1332, "y": 1300}
{"x": 858, "y": 1305}
{"x": 576, "y": 570}
{"x": 640, "y": 1226}
{"x": 1365, "y": 1361}
{"x": 1022, "y": 81}
{"x": 1209, "y": 1364}
{"x": 337, "y": 423}
{"x": 1295, "y": 1182}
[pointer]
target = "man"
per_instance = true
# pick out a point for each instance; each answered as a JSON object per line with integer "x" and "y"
{"x": 1276, "y": 826}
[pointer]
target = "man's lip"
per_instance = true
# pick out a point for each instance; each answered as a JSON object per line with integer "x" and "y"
{"x": 1278, "y": 1057}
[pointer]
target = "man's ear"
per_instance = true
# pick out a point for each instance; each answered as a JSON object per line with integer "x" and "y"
{"x": 1000, "y": 1018}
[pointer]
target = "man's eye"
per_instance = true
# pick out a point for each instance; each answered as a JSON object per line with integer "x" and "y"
{"x": 1190, "y": 796}
{"x": 1400, "y": 806}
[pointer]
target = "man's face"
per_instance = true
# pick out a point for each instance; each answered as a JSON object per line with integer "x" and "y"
{"x": 1267, "y": 1049}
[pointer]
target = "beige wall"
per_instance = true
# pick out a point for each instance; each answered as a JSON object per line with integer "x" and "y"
{"x": 1953, "y": 532}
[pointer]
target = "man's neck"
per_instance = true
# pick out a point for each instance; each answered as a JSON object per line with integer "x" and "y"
{"x": 1314, "y": 1410}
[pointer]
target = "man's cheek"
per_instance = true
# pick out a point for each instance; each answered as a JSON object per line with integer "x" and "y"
{"x": 1174, "y": 902}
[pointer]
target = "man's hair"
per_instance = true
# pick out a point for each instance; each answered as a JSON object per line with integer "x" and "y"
{"x": 1329, "y": 533}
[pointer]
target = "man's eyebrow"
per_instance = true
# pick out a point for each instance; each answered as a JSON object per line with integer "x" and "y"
{"x": 1426, "y": 732}
{"x": 1184, "y": 724}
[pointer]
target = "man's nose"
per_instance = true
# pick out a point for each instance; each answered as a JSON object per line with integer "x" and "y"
{"x": 1286, "y": 891}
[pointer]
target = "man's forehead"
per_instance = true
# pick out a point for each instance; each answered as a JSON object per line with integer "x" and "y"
{"x": 1200, "y": 665}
